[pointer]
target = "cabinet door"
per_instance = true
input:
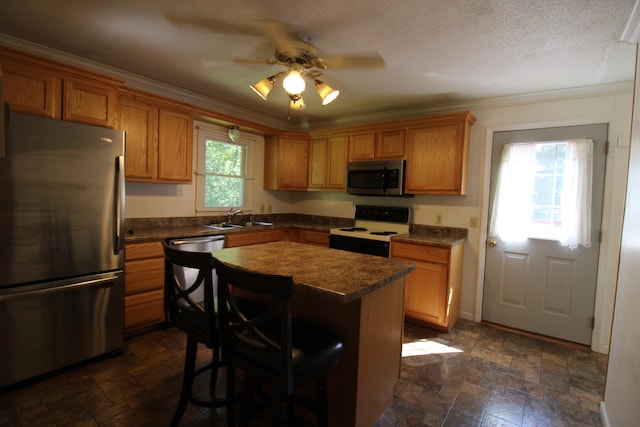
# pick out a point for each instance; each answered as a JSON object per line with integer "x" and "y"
{"x": 426, "y": 293}
{"x": 391, "y": 145}
{"x": 32, "y": 91}
{"x": 362, "y": 146}
{"x": 293, "y": 161}
{"x": 436, "y": 160}
{"x": 89, "y": 103}
{"x": 318, "y": 161}
{"x": 175, "y": 146}
{"x": 311, "y": 237}
{"x": 337, "y": 162}
{"x": 253, "y": 238}
{"x": 140, "y": 123}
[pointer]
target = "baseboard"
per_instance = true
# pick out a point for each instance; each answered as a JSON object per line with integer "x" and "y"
{"x": 467, "y": 316}
{"x": 603, "y": 415}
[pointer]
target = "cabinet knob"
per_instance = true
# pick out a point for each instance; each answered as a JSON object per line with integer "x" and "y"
{"x": 492, "y": 243}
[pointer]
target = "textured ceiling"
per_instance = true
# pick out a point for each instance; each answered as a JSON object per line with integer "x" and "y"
{"x": 436, "y": 52}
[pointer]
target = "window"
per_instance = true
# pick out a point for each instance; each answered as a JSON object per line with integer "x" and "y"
{"x": 222, "y": 170}
{"x": 544, "y": 191}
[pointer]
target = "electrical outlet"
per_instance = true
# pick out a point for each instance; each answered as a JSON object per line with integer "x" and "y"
{"x": 473, "y": 222}
{"x": 438, "y": 219}
{"x": 261, "y": 208}
{"x": 269, "y": 208}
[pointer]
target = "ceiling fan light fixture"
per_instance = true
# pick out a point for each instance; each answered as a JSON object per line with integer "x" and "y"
{"x": 294, "y": 82}
{"x": 326, "y": 92}
{"x": 264, "y": 86}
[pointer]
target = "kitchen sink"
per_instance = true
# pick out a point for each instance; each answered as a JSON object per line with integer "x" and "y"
{"x": 262, "y": 223}
{"x": 223, "y": 226}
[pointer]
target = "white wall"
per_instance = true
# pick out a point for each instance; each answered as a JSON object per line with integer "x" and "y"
{"x": 621, "y": 405}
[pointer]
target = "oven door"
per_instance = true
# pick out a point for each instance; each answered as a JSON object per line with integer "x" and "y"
{"x": 359, "y": 245}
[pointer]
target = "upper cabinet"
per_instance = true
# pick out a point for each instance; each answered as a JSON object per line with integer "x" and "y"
{"x": 159, "y": 139}
{"x": 140, "y": 122}
{"x": 328, "y": 163}
{"x": 286, "y": 162}
{"x": 45, "y": 88}
{"x": 89, "y": 102}
{"x": 31, "y": 90}
{"x": 389, "y": 144}
{"x": 437, "y": 155}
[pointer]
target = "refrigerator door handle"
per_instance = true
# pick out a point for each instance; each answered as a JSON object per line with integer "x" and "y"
{"x": 118, "y": 241}
{"x": 101, "y": 282}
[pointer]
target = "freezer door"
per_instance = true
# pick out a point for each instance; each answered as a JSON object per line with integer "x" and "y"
{"x": 61, "y": 204}
{"x": 49, "y": 326}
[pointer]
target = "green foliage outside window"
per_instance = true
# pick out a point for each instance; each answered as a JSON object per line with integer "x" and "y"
{"x": 224, "y": 174}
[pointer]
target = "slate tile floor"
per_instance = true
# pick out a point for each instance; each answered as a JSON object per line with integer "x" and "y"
{"x": 474, "y": 376}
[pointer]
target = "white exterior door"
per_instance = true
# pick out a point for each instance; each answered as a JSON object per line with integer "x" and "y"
{"x": 536, "y": 284}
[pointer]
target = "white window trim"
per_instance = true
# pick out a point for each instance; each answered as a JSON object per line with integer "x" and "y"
{"x": 202, "y": 133}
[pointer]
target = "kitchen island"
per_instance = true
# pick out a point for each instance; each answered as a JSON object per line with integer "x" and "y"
{"x": 360, "y": 297}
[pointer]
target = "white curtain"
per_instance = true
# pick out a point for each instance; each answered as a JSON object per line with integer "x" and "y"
{"x": 511, "y": 210}
{"x": 513, "y": 200}
{"x": 576, "y": 194}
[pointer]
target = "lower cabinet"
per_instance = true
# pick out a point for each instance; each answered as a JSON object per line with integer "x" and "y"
{"x": 253, "y": 238}
{"x": 144, "y": 285}
{"x": 310, "y": 237}
{"x": 432, "y": 293}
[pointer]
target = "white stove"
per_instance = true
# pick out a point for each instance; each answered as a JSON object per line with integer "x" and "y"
{"x": 374, "y": 226}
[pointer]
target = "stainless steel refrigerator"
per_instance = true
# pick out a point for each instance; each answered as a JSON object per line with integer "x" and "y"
{"x": 61, "y": 245}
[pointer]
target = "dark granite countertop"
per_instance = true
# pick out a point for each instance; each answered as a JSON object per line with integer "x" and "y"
{"x": 138, "y": 230}
{"x": 340, "y": 275}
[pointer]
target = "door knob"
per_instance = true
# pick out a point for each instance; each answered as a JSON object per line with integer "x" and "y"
{"x": 492, "y": 243}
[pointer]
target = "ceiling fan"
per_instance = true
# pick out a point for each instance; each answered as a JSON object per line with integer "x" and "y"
{"x": 294, "y": 50}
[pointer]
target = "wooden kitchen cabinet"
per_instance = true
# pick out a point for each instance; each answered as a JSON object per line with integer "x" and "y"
{"x": 311, "y": 237}
{"x": 437, "y": 156}
{"x": 89, "y": 102}
{"x": 389, "y": 144}
{"x": 144, "y": 285}
{"x": 51, "y": 89}
{"x": 140, "y": 122}
{"x": 175, "y": 146}
{"x": 286, "y": 162}
{"x": 159, "y": 141}
{"x": 253, "y": 238}
{"x": 328, "y": 163}
{"x": 32, "y": 90}
{"x": 432, "y": 293}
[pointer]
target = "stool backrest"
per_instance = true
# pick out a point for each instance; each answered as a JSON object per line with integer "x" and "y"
{"x": 190, "y": 298}
{"x": 255, "y": 318}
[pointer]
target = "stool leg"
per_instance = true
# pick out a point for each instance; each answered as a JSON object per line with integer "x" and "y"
{"x": 215, "y": 363}
{"x": 187, "y": 379}
{"x": 321, "y": 401}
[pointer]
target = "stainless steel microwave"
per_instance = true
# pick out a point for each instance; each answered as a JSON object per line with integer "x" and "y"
{"x": 377, "y": 178}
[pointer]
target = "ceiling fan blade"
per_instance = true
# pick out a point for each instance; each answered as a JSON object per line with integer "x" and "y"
{"x": 364, "y": 61}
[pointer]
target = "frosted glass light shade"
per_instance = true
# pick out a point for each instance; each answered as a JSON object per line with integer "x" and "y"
{"x": 294, "y": 83}
{"x": 296, "y": 104}
{"x": 263, "y": 87}
{"x": 234, "y": 133}
{"x": 326, "y": 92}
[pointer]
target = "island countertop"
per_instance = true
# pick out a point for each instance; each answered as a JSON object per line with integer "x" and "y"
{"x": 343, "y": 276}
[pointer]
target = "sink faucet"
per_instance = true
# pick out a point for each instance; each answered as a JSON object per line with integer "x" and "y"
{"x": 232, "y": 214}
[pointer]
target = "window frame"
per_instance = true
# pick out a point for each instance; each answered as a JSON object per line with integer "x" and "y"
{"x": 203, "y": 133}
